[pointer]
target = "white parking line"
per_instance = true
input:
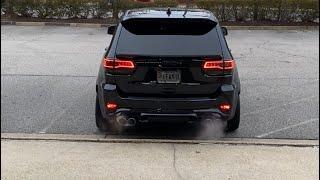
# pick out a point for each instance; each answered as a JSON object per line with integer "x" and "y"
{"x": 44, "y": 130}
{"x": 274, "y": 107}
{"x": 288, "y": 127}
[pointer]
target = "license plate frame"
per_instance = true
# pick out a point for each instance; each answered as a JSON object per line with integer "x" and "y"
{"x": 168, "y": 77}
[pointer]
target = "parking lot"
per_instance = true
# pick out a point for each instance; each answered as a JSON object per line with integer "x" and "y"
{"x": 48, "y": 79}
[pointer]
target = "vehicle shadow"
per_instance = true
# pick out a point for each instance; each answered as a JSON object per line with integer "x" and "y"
{"x": 206, "y": 129}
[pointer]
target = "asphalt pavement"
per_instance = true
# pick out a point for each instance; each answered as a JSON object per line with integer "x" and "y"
{"x": 48, "y": 79}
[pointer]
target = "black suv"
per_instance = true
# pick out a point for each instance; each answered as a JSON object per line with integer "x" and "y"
{"x": 167, "y": 65}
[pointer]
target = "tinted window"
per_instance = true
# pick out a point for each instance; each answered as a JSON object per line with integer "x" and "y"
{"x": 196, "y": 37}
{"x": 168, "y": 26}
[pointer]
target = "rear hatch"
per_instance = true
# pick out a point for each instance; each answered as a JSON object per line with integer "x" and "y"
{"x": 168, "y": 56}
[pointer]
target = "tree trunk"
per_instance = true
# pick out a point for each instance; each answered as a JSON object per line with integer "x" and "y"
{"x": 9, "y": 8}
{"x": 115, "y": 10}
{"x": 279, "y": 11}
{"x": 255, "y": 10}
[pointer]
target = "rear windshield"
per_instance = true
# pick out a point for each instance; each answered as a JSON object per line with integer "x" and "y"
{"x": 168, "y": 37}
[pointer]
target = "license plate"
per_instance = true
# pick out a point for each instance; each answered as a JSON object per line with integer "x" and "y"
{"x": 168, "y": 76}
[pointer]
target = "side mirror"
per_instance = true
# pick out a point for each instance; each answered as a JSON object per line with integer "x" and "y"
{"x": 111, "y": 29}
{"x": 224, "y": 31}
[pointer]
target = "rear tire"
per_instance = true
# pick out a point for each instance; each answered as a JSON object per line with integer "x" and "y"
{"x": 101, "y": 122}
{"x": 233, "y": 123}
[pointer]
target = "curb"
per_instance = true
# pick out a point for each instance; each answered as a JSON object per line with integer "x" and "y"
{"x": 272, "y": 27}
{"x": 121, "y": 139}
{"x": 92, "y": 25}
{"x": 89, "y": 25}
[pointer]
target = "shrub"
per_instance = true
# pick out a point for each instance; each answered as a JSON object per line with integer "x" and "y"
{"x": 225, "y": 10}
{"x": 165, "y": 3}
{"x": 273, "y": 10}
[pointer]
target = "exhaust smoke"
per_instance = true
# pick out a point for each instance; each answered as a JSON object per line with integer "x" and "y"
{"x": 211, "y": 127}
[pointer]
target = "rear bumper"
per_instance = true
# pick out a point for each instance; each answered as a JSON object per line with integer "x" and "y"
{"x": 145, "y": 107}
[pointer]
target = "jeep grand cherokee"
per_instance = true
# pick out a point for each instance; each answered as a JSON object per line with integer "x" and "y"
{"x": 167, "y": 65}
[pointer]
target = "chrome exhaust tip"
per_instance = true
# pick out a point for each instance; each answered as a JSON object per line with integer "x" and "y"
{"x": 132, "y": 121}
{"x": 123, "y": 120}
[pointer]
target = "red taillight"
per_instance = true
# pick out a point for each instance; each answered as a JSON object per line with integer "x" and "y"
{"x": 229, "y": 64}
{"x": 219, "y": 65}
{"x": 111, "y": 63}
{"x": 111, "y": 106}
{"x": 225, "y": 107}
{"x": 108, "y": 63}
{"x": 214, "y": 65}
